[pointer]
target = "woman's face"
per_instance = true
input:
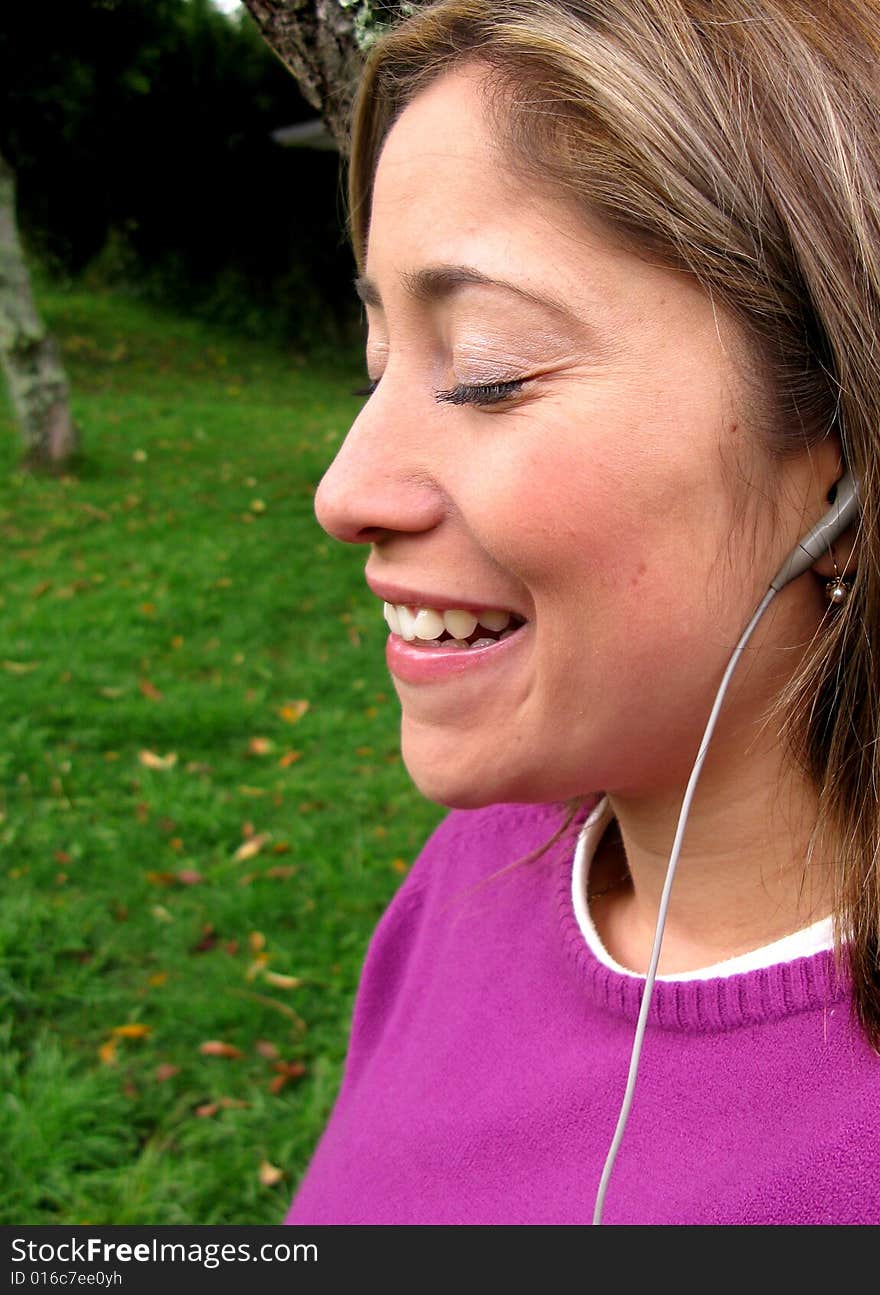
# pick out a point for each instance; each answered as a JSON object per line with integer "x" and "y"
{"x": 558, "y": 431}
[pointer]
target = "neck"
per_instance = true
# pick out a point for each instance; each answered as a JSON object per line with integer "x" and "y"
{"x": 742, "y": 880}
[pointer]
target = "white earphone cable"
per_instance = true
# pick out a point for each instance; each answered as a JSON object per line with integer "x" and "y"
{"x": 664, "y": 905}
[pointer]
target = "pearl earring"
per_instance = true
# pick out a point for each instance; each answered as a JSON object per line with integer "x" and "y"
{"x": 837, "y": 590}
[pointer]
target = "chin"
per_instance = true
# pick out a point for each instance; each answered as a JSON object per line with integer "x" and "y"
{"x": 444, "y": 788}
{"x": 456, "y": 786}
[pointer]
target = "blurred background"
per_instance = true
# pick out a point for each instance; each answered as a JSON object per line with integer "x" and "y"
{"x": 202, "y": 805}
{"x": 142, "y": 133}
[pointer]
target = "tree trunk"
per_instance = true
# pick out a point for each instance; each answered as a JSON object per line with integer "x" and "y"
{"x": 33, "y": 368}
{"x": 323, "y": 43}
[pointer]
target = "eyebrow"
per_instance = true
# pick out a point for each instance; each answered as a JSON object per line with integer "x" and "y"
{"x": 436, "y": 283}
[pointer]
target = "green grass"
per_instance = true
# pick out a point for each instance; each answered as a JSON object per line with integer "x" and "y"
{"x": 173, "y": 597}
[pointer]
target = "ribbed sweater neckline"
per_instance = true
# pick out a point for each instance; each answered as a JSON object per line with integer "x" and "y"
{"x": 725, "y": 1003}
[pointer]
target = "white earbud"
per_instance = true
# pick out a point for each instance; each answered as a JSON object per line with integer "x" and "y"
{"x": 840, "y": 515}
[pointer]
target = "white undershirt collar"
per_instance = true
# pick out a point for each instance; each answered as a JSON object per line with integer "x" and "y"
{"x": 802, "y": 944}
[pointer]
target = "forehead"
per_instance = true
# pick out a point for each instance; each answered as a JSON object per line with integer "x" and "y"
{"x": 445, "y": 194}
{"x": 449, "y": 113}
{"x": 441, "y": 157}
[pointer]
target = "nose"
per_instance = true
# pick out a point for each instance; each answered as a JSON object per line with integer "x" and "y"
{"x": 378, "y": 484}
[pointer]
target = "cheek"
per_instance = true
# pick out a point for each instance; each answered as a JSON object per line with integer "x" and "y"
{"x": 575, "y": 518}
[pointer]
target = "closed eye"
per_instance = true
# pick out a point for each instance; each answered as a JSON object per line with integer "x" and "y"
{"x": 490, "y": 393}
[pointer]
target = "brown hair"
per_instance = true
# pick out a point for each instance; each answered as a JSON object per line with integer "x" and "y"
{"x": 740, "y": 142}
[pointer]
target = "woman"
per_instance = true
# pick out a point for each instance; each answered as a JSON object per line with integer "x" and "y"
{"x": 621, "y": 268}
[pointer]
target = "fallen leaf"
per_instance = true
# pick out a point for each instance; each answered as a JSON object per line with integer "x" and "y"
{"x": 267, "y": 1049}
{"x": 282, "y": 871}
{"x": 165, "y": 1071}
{"x": 258, "y": 506}
{"x": 20, "y": 667}
{"x": 251, "y": 847}
{"x": 161, "y": 913}
{"x": 149, "y": 690}
{"x": 208, "y": 940}
{"x": 189, "y": 877}
{"x": 257, "y": 941}
{"x": 157, "y": 978}
{"x": 281, "y": 847}
{"x": 150, "y": 760}
{"x": 206, "y": 1110}
{"x": 260, "y": 746}
{"x": 292, "y": 711}
{"x": 216, "y": 1048}
{"x": 270, "y": 1174}
{"x": 400, "y": 865}
{"x": 135, "y": 1030}
{"x": 252, "y": 791}
{"x": 43, "y": 587}
{"x": 289, "y": 758}
{"x": 287, "y": 1072}
{"x": 161, "y": 878}
{"x": 280, "y": 981}
{"x": 107, "y": 1052}
{"x": 257, "y": 966}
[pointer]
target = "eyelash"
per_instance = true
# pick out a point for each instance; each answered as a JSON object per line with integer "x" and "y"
{"x": 488, "y": 394}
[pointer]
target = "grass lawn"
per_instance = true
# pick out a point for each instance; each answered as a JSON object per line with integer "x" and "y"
{"x": 202, "y": 805}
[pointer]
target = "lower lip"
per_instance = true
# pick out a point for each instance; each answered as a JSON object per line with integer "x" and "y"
{"x": 432, "y": 665}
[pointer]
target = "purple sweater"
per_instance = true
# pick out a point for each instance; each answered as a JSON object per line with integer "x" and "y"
{"x": 489, "y": 1051}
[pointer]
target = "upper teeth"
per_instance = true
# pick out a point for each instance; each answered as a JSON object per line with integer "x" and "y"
{"x": 429, "y": 623}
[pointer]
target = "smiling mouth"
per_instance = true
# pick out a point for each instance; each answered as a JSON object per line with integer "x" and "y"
{"x": 456, "y": 629}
